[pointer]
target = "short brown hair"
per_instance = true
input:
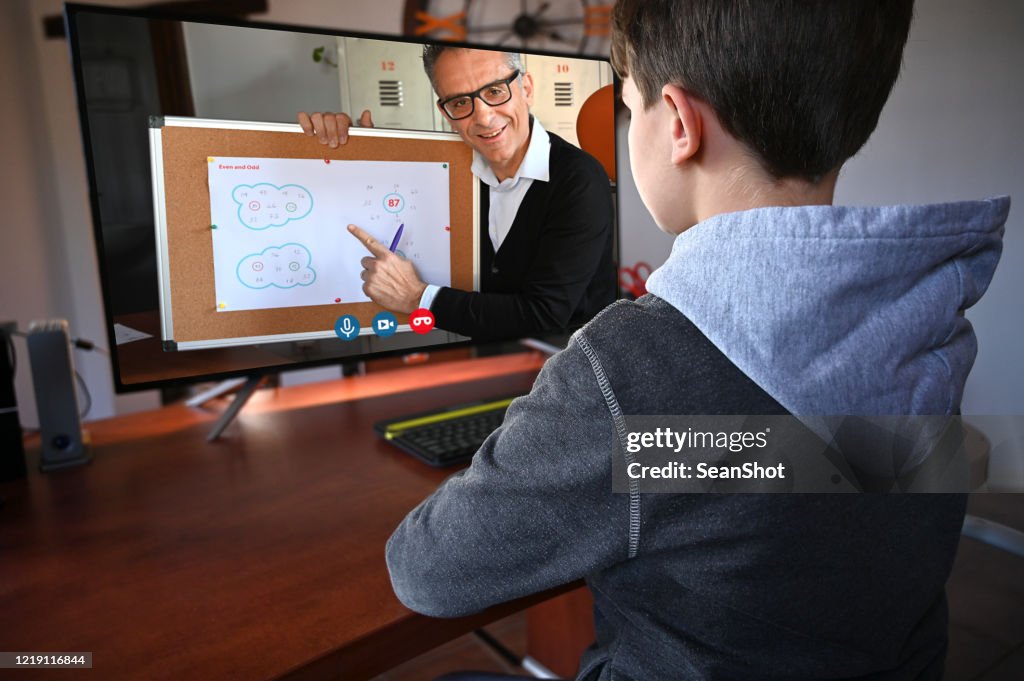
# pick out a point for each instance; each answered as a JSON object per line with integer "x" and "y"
{"x": 800, "y": 82}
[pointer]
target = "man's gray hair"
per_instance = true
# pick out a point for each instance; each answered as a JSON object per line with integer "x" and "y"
{"x": 432, "y": 52}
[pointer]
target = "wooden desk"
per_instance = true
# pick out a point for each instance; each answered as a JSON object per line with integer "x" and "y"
{"x": 257, "y": 557}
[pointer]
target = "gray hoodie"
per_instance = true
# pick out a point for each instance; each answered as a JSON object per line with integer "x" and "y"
{"x": 774, "y": 311}
{"x": 842, "y": 310}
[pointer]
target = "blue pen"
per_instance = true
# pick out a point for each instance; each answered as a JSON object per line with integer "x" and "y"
{"x": 398, "y": 237}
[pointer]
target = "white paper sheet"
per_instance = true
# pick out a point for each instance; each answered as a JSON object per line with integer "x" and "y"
{"x": 279, "y": 227}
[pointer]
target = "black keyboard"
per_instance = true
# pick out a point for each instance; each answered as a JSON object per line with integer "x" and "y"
{"x": 446, "y": 437}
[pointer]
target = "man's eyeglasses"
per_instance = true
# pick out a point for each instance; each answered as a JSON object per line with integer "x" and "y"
{"x": 492, "y": 94}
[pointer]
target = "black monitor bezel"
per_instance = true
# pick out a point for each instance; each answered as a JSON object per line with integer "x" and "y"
{"x": 71, "y": 10}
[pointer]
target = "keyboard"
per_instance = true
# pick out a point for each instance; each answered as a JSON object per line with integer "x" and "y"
{"x": 445, "y": 437}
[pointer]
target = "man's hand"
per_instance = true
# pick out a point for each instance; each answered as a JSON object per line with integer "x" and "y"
{"x": 388, "y": 280}
{"x": 331, "y": 128}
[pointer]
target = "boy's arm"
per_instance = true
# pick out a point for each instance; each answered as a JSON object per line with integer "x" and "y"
{"x": 533, "y": 511}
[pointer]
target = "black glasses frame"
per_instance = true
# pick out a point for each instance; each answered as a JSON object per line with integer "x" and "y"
{"x": 507, "y": 82}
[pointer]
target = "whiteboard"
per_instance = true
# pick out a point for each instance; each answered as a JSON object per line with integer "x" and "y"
{"x": 209, "y": 235}
{"x": 279, "y": 226}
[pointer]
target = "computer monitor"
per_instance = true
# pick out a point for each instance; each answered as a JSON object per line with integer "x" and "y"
{"x": 162, "y": 257}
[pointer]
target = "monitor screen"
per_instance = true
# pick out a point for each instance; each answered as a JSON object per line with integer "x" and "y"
{"x": 222, "y": 230}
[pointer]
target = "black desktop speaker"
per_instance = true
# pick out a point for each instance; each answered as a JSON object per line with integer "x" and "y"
{"x": 53, "y": 376}
{"x": 12, "y": 455}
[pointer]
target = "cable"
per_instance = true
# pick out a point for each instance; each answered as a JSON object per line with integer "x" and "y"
{"x": 79, "y": 343}
{"x": 12, "y": 353}
{"x": 84, "y": 344}
{"x": 86, "y": 395}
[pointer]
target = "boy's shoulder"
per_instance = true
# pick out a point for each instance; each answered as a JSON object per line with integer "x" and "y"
{"x": 657, "y": 361}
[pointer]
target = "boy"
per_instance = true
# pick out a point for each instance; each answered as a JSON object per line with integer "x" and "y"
{"x": 772, "y": 302}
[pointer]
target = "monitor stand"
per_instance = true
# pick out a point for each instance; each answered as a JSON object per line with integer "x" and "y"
{"x": 243, "y": 387}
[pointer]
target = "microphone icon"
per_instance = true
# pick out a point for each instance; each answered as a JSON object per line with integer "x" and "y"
{"x": 347, "y": 327}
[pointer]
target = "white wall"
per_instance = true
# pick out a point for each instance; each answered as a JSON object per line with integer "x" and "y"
{"x": 48, "y": 263}
{"x": 52, "y": 270}
{"x": 271, "y": 76}
{"x": 30, "y": 285}
{"x": 372, "y": 16}
{"x": 952, "y": 130}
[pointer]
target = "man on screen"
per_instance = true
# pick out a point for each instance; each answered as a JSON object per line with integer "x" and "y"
{"x": 546, "y": 259}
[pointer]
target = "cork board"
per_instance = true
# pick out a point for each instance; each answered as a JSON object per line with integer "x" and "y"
{"x": 181, "y": 149}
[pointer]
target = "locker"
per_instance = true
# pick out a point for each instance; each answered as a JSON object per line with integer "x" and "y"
{"x": 387, "y": 78}
{"x": 561, "y": 86}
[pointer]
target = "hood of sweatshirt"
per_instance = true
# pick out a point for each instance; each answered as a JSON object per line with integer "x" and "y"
{"x": 841, "y": 310}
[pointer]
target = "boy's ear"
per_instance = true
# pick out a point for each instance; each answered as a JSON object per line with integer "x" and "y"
{"x": 686, "y": 122}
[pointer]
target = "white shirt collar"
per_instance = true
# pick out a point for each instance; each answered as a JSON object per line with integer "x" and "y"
{"x": 535, "y": 164}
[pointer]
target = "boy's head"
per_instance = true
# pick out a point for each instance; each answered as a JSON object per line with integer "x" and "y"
{"x": 799, "y": 84}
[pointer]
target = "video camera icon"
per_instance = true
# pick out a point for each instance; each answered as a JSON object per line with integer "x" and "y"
{"x": 385, "y": 324}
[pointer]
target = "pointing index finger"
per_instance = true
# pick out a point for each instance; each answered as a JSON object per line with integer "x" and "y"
{"x": 372, "y": 245}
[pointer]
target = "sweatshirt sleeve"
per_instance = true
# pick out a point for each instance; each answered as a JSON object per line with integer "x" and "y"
{"x": 534, "y": 510}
